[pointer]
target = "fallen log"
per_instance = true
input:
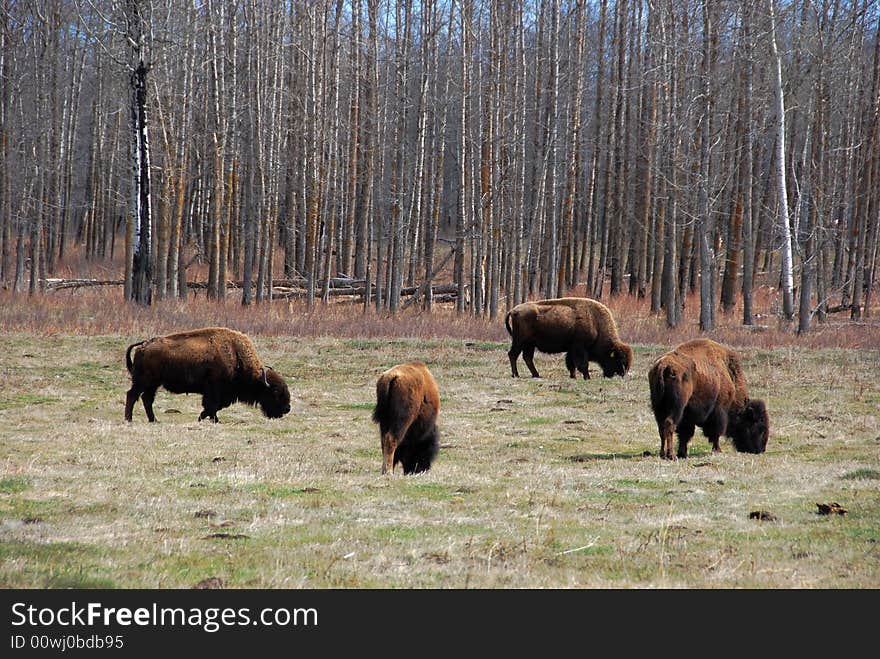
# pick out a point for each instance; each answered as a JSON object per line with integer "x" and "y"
{"x": 60, "y": 284}
{"x": 281, "y": 288}
{"x": 838, "y": 308}
{"x": 423, "y": 289}
{"x": 284, "y": 292}
{"x": 56, "y": 284}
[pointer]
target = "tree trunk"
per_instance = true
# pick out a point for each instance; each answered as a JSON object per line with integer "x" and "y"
{"x": 588, "y": 251}
{"x": 565, "y": 277}
{"x": 354, "y": 145}
{"x": 142, "y": 248}
{"x": 782, "y": 219}
{"x": 704, "y": 220}
{"x": 461, "y": 222}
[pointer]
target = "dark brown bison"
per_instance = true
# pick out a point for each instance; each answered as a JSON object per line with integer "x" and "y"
{"x": 407, "y": 404}
{"x": 701, "y": 383}
{"x": 218, "y": 363}
{"x": 582, "y": 328}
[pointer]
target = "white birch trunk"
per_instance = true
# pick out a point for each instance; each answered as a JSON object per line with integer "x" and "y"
{"x": 787, "y": 278}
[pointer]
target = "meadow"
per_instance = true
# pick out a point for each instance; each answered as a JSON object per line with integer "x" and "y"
{"x": 539, "y": 483}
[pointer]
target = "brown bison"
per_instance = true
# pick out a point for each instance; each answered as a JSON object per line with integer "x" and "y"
{"x": 218, "y": 363}
{"x": 701, "y": 383}
{"x": 582, "y": 328}
{"x": 407, "y": 404}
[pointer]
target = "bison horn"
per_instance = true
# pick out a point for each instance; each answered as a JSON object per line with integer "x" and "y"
{"x": 265, "y": 380}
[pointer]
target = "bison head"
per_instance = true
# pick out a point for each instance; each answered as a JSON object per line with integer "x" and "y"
{"x": 617, "y": 361}
{"x": 274, "y": 398}
{"x": 750, "y": 428}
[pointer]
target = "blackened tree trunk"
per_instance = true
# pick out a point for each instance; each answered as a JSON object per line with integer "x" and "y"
{"x": 142, "y": 248}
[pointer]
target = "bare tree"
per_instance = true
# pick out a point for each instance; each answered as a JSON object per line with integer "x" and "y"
{"x": 747, "y": 167}
{"x": 782, "y": 219}
{"x": 704, "y": 221}
{"x": 367, "y": 225}
{"x": 136, "y": 16}
{"x": 566, "y": 269}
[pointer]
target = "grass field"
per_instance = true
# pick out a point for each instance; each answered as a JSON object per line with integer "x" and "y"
{"x": 549, "y": 483}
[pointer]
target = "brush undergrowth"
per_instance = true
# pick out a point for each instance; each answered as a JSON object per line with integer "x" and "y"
{"x": 100, "y": 311}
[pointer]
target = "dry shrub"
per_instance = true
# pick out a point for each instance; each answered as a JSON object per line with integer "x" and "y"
{"x": 93, "y": 311}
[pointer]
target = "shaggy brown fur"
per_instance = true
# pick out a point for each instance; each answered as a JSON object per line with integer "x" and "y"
{"x": 219, "y": 363}
{"x": 407, "y": 404}
{"x": 582, "y": 328}
{"x": 701, "y": 383}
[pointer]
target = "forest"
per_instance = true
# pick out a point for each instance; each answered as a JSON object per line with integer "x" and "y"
{"x": 481, "y": 152}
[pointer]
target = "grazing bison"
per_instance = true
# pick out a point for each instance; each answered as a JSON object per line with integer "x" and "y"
{"x": 582, "y": 328}
{"x": 701, "y": 383}
{"x": 407, "y": 403}
{"x": 219, "y": 363}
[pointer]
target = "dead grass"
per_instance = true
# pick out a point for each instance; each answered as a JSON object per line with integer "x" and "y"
{"x": 101, "y": 311}
{"x": 539, "y": 483}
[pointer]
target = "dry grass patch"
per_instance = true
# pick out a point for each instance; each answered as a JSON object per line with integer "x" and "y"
{"x": 539, "y": 483}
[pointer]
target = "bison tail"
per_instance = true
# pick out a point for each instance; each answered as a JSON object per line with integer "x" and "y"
{"x": 655, "y": 383}
{"x": 665, "y": 394}
{"x": 128, "y": 363}
{"x": 383, "y": 399}
{"x": 507, "y": 323}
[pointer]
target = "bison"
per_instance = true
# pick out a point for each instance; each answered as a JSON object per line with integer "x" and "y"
{"x": 407, "y": 404}
{"x": 582, "y": 328}
{"x": 218, "y": 363}
{"x": 701, "y": 383}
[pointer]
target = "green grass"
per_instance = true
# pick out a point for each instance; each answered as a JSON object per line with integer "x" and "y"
{"x": 24, "y": 400}
{"x": 486, "y": 345}
{"x": 862, "y": 474}
{"x": 355, "y": 406}
{"x": 539, "y": 483}
{"x": 13, "y": 484}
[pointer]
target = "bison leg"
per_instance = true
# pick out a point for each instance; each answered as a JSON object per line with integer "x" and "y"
{"x": 417, "y": 452}
{"x": 130, "y": 399}
{"x": 513, "y": 355}
{"x": 389, "y": 446}
{"x": 667, "y": 428}
{"x": 585, "y": 369}
{"x": 209, "y": 414}
{"x": 529, "y": 359}
{"x": 209, "y": 408}
{"x": 685, "y": 431}
{"x": 714, "y": 427}
{"x": 576, "y": 360}
{"x": 147, "y": 398}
